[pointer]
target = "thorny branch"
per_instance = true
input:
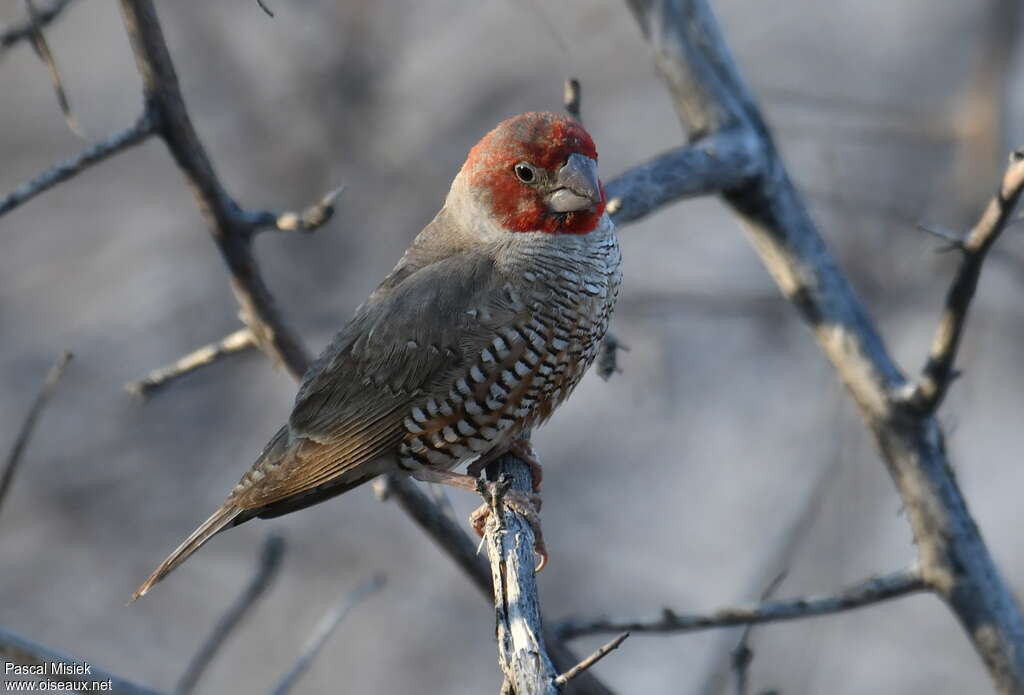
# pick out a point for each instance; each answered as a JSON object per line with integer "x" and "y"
{"x": 938, "y": 372}
{"x": 866, "y": 593}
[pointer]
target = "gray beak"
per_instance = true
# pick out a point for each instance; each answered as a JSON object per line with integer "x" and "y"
{"x": 578, "y": 185}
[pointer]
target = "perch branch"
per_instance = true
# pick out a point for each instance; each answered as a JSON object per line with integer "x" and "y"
{"x": 129, "y": 137}
{"x": 866, "y": 593}
{"x": 239, "y": 341}
{"x": 710, "y": 97}
{"x": 267, "y": 568}
{"x": 510, "y": 546}
{"x": 18, "y": 650}
{"x": 29, "y": 425}
{"x": 938, "y": 372}
{"x": 324, "y": 629}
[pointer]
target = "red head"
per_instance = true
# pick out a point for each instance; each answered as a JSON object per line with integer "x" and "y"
{"x": 537, "y": 172}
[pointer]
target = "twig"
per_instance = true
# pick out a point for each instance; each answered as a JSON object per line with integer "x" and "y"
{"x": 263, "y": 6}
{"x": 866, "y": 593}
{"x": 572, "y": 98}
{"x": 743, "y": 655}
{"x": 582, "y": 666}
{"x": 309, "y": 220}
{"x": 938, "y": 371}
{"x": 709, "y": 165}
{"x": 29, "y": 425}
{"x": 18, "y": 650}
{"x": 510, "y": 546}
{"x": 230, "y": 227}
{"x": 236, "y": 342}
{"x": 129, "y": 137}
{"x": 22, "y": 31}
{"x": 42, "y": 50}
{"x": 266, "y": 572}
{"x": 327, "y": 625}
{"x": 710, "y": 97}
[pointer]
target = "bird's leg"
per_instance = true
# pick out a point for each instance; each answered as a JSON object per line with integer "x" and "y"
{"x": 527, "y": 506}
{"x": 520, "y": 448}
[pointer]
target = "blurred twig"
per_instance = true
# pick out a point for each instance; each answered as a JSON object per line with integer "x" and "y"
{"x": 42, "y": 50}
{"x": 232, "y": 344}
{"x": 29, "y": 425}
{"x": 129, "y": 137}
{"x": 866, "y": 593}
{"x": 18, "y": 650}
{"x": 23, "y": 31}
{"x": 266, "y": 572}
{"x": 324, "y": 629}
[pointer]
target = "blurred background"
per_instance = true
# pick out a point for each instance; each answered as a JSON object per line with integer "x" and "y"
{"x": 723, "y": 453}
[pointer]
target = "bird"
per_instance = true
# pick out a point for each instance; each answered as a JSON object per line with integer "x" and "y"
{"x": 483, "y": 328}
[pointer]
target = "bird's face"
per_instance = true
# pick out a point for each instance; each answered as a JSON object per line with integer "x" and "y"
{"x": 537, "y": 172}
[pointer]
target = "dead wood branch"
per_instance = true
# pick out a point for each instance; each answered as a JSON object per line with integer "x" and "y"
{"x": 938, "y": 372}
{"x": 710, "y": 97}
{"x": 866, "y": 593}
{"x": 22, "y": 31}
{"x": 239, "y": 341}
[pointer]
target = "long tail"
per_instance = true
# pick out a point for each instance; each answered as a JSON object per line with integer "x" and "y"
{"x": 220, "y": 520}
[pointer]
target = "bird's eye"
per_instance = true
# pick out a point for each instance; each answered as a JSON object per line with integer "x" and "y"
{"x": 525, "y": 172}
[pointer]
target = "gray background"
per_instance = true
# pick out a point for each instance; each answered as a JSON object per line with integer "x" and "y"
{"x": 677, "y": 483}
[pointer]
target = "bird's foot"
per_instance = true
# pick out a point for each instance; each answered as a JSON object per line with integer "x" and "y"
{"x": 526, "y": 505}
{"x": 520, "y": 448}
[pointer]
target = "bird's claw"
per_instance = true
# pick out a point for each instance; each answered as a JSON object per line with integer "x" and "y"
{"x": 527, "y": 506}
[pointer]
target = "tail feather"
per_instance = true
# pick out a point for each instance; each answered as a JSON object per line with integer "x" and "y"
{"x": 220, "y": 520}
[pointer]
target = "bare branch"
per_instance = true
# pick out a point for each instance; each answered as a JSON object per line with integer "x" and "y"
{"x": 718, "y": 162}
{"x": 938, "y": 372}
{"x": 29, "y": 425}
{"x": 267, "y": 569}
{"x": 42, "y": 50}
{"x": 230, "y": 227}
{"x": 743, "y": 655}
{"x": 457, "y": 544}
{"x": 232, "y": 344}
{"x": 582, "y": 666}
{"x": 129, "y": 137}
{"x": 866, "y": 593}
{"x": 265, "y": 8}
{"x": 324, "y": 629}
{"x": 710, "y": 97}
{"x": 510, "y": 540}
{"x": 23, "y": 31}
{"x": 18, "y": 650}
{"x": 309, "y": 220}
